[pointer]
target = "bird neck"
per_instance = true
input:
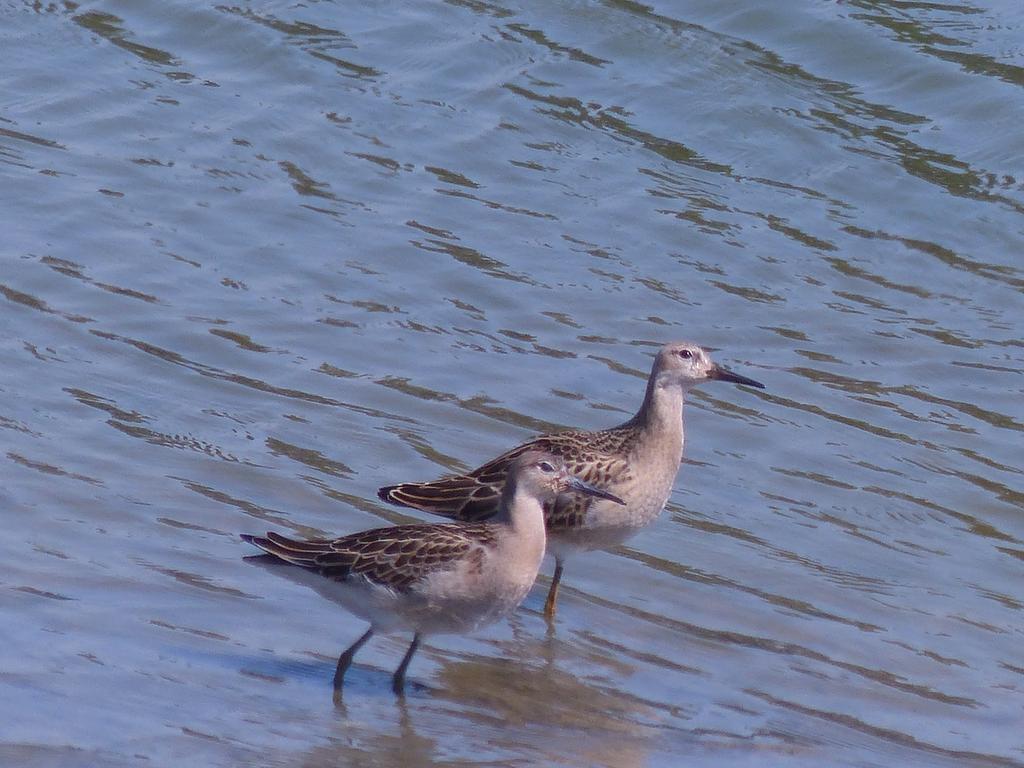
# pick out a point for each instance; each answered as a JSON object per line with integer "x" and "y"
{"x": 660, "y": 425}
{"x": 521, "y": 545}
{"x": 520, "y": 510}
{"x": 662, "y": 409}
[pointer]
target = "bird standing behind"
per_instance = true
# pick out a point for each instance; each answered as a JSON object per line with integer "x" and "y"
{"x": 637, "y": 461}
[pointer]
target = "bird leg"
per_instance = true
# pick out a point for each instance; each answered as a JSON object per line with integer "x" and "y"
{"x": 398, "y": 683}
{"x": 345, "y": 660}
{"x": 549, "y": 604}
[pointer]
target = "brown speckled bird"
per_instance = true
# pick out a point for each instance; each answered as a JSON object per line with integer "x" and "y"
{"x": 435, "y": 578}
{"x": 637, "y": 461}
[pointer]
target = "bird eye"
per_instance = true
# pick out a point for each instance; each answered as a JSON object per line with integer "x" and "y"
{"x": 546, "y": 466}
{"x": 685, "y": 354}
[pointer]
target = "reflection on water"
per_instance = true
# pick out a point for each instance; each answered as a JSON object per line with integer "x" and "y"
{"x": 260, "y": 260}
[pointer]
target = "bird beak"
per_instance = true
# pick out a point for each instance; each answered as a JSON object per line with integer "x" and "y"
{"x": 724, "y": 374}
{"x": 575, "y": 484}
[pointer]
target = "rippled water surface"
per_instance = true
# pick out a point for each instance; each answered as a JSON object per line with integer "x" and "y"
{"x": 259, "y": 259}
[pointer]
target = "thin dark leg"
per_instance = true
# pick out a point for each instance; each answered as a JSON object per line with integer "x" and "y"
{"x": 549, "y": 604}
{"x": 398, "y": 684}
{"x": 345, "y": 660}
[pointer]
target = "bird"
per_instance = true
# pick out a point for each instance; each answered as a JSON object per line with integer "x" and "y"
{"x": 435, "y": 578}
{"x": 637, "y": 460}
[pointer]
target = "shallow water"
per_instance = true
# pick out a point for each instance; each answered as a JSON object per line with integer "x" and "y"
{"x": 260, "y": 259}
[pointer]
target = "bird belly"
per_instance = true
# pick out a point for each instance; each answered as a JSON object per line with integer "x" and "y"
{"x": 381, "y": 607}
{"x": 607, "y": 524}
{"x": 442, "y": 603}
{"x": 458, "y": 601}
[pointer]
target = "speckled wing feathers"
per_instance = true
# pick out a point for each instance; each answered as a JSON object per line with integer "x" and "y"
{"x": 459, "y": 497}
{"x": 595, "y": 457}
{"x": 389, "y": 557}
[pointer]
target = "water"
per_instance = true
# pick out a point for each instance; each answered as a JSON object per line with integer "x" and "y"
{"x": 260, "y": 259}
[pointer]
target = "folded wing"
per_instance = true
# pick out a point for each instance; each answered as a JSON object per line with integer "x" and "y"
{"x": 396, "y": 558}
{"x": 592, "y": 456}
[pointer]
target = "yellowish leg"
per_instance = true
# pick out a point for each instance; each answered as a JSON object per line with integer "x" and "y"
{"x": 549, "y": 604}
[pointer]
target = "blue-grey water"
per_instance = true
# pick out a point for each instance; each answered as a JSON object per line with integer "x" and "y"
{"x": 258, "y": 259}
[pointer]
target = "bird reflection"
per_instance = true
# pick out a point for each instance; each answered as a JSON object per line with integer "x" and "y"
{"x": 513, "y": 702}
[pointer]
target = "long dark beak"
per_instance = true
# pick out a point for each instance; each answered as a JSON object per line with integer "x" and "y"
{"x": 724, "y": 374}
{"x": 575, "y": 484}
